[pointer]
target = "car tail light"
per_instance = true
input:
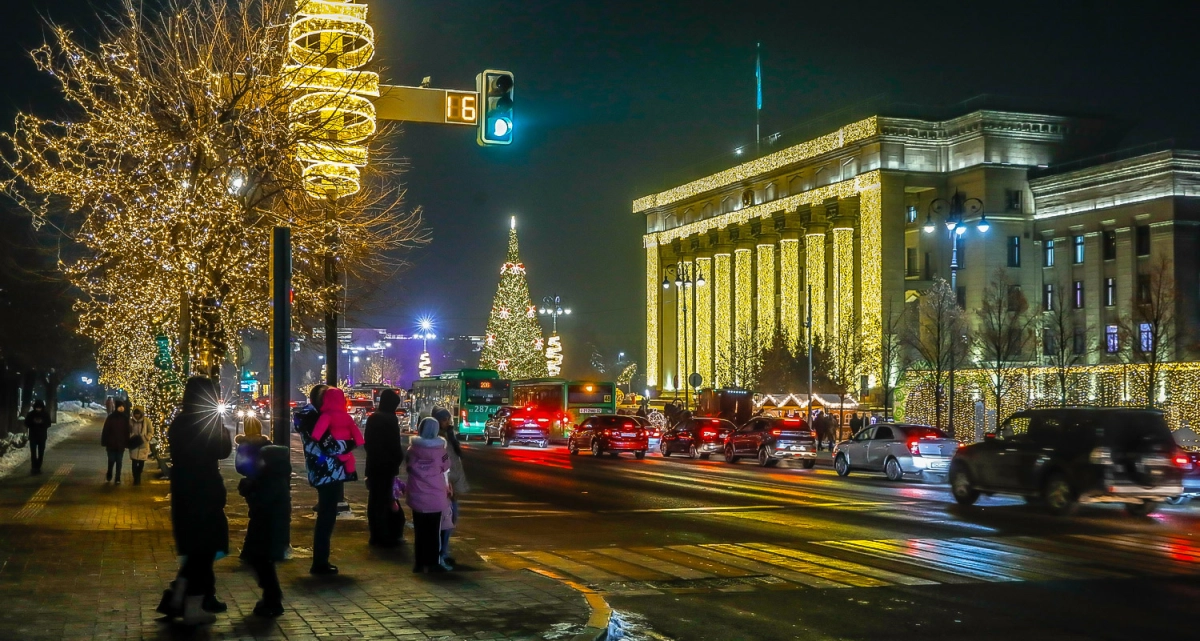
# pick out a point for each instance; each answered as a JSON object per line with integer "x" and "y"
{"x": 776, "y": 432}
{"x": 1101, "y": 456}
{"x": 1183, "y": 460}
{"x": 607, "y": 432}
{"x": 627, "y": 425}
{"x": 914, "y": 447}
{"x": 812, "y": 434}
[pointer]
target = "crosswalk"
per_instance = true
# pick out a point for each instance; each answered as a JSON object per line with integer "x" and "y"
{"x": 860, "y": 564}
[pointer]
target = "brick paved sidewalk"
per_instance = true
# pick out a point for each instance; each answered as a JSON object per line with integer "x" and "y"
{"x": 81, "y": 559}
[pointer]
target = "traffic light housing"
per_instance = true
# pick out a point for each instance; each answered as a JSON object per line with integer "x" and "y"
{"x": 496, "y": 100}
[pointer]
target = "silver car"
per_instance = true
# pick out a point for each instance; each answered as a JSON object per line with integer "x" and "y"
{"x": 896, "y": 450}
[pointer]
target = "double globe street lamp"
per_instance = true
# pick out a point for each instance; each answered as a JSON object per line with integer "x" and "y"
{"x": 685, "y": 275}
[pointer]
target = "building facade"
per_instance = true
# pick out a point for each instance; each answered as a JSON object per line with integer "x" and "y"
{"x": 835, "y": 227}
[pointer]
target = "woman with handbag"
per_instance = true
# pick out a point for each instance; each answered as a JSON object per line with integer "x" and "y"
{"x": 139, "y": 443}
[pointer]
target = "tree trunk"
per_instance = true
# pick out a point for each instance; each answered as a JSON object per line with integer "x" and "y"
{"x": 28, "y": 378}
{"x": 53, "y": 380}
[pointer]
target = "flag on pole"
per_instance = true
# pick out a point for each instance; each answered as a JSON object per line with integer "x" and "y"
{"x": 758, "y": 74}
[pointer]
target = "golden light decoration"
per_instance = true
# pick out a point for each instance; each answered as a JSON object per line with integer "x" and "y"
{"x": 765, "y": 270}
{"x": 843, "y": 278}
{"x": 743, "y": 309}
{"x": 789, "y": 290}
{"x": 329, "y": 42}
{"x": 652, "y": 294}
{"x": 681, "y": 323}
{"x": 704, "y": 320}
{"x": 814, "y": 275}
{"x": 425, "y": 365}
{"x": 870, "y": 261}
{"x": 722, "y": 314}
{"x": 554, "y": 356}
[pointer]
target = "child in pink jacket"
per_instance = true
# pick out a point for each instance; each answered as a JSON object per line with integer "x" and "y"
{"x": 336, "y": 419}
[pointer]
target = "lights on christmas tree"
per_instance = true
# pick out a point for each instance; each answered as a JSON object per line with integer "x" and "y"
{"x": 512, "y": 345}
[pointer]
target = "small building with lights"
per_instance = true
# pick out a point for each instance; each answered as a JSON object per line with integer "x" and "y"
{"x": 848, "y": 225}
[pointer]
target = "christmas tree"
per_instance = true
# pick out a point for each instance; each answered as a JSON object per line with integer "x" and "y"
{"x": 513, "y": 344}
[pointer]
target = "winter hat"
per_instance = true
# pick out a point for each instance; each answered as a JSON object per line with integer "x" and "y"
{"x": 441, "y": 414}
{"x": 39, "y": 405}
{"x": 252, "y": 426}
{"x": 428, "y": 428}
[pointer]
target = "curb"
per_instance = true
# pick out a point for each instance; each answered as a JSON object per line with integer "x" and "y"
{"x": 597, "y": 624}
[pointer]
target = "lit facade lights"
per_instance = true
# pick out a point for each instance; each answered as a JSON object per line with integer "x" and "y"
{"x": 789, "y": 290}
{"x": 814, "y": 276}
{"x": 653, "y": 272}
{"x": 743, "y": 310}
{"x": 843, "y": 278}
{"x": 722, "y": 309}
{"x": 870, "y": 283}
{"x": 554, "y": 355}
{"x": 766, "y": 293}
{"x": 704, "y": 321}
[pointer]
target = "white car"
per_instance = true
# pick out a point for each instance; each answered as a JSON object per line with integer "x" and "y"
{"x": 897, "y": 450}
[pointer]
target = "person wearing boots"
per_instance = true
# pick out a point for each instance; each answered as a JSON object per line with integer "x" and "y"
{"x": 326, "y": 473}
{"x": 115, "y": 439}
{"x": 266, "y": 487}
{"x": 385, "y": 454}
{"x": 37, "y": 424}
{"x": 428, "y": 494}
{"x": 139, "y": 443}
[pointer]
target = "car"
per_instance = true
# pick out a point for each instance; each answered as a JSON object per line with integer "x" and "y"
{"x": 653, "y": 434}
{"x": 897, "y": 450}
{"x": 609, "y": 434}
{"x": 1191, "y": 480}
{"x": 770, "y": 440}
{"x": 699, "y": 437}
{"x": 1064, "y": 457}
{"x": 518, "y": 425}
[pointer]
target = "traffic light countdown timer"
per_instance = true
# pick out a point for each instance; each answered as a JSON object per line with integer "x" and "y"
{"x": 496, "y": 99}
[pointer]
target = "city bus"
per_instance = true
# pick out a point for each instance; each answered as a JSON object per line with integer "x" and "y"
{"x": 568, "y": 402}
{"x": 471, "y": 396}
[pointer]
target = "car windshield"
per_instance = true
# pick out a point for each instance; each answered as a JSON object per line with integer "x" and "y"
{"x": 925, "y": 432}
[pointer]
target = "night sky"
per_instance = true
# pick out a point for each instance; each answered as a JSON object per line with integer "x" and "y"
{"x": 615, "y": 100}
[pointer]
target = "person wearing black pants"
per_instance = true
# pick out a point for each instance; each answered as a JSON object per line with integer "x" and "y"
{"x": 385, "y": 454}
{"x": 115, "y": 439}
{"x": 328, "y": 496}
{"x": 37, "y": 423}
{"x": 427, "y": 528}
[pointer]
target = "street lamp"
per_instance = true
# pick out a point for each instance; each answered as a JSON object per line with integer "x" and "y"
{"x": 955, "y": 210}
{"x": 425, "y": 365}
{"x": 552, "y": 307}
{"x": 685, "y": 274}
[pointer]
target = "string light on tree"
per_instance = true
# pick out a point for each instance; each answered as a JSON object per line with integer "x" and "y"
{"x": 513, "y": 345}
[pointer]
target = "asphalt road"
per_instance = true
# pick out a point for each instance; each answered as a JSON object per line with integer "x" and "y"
{"x": 688, "y": 549}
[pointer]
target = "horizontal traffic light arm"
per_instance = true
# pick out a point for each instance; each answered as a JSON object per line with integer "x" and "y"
{"x": 423, "y": 104}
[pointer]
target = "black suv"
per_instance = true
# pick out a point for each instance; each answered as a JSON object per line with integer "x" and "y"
{"x": 1069, "y": 456}
{"x": 770, "y": 440}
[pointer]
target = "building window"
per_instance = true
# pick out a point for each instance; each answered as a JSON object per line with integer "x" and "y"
{"x": 1049, "y": 345}
{"x": 1079, "y": 343}
{"x": 960, "y": 251}
{"x": 748, "y": 198}
{"x": 910, "y": 214}
{"x": 1146, "y": 337}
{"x": 1110, "y": 244}
{"x": 1078, "y": 291}
{"x": 1112, "y": 339}
{"x": 1143, "y": 240}
{"x": 1048, "y": 297}
{"x": 911, "y": 267}
{"x": 1143, "y": 288}
{"x": 1110, "y": 292}
{"x": 1078, "y": 242}
{"x": 1049, "y": 253}
{"x": 1014, "y": 251}
{"x": 961, "y": 295}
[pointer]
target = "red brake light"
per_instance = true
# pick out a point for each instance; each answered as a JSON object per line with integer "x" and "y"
{"x": 708, "y": 433}
{"x": 627, "y": 424}
{"x": 776, "y": 432}
{"x": 1182, "y": 460}
{"x": 914, "y": 447}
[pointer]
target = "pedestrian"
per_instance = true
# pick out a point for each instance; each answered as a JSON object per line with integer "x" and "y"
{"x": 37, "y": 424}
{"x": 267, "y": 472}
{"x": 818, "y": 424}
{"x": 428, "y": 494}
{"x": 385, "y": 454}
{"x": 115, "y": 439}
{"x": 326, "y": 473}
{"x": 856, "y": 423}
{"x": 139, "y": 443}
{"x": 198, "y": 442}
{"x": 457, "y": 478}
{"x": 336, "y": 420}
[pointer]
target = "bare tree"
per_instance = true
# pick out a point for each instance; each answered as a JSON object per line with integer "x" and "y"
{"x": 846, "y": 357}
{"x": 1151, "y": 322}
{"x": 1006, "y": 334}
{"x": 742, "y": 365}
{"x": 938, "y": 335}
{"x": 1062, "y": 330}
{"x": 893, "y": 355}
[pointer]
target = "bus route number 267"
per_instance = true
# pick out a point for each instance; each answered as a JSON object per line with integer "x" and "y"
{"x": 462, "y": 107}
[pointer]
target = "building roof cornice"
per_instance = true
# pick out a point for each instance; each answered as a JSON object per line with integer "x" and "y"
{"x": 1156, "y": 175}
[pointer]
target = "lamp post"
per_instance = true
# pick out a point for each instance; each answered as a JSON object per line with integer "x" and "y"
{"x": 955, "y": 210}
{"x": 685, "y": 274}
{"x": 552, "y": 307}
{"x": 425, "y": 365}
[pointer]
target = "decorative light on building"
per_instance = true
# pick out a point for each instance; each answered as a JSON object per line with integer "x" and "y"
{"x": 743, "y": 309}
{"x": 766, "y": 293}
{"x": 843, "y": 278}
{"x": 425, "y": 365}
{"x": 652, "y": 275}
{"x": 722, "y": 315}
{"x": 870, "y": 260}
{"x": 814, "y": 275}
{"x": 789, "y": 289}
{"x": 554, "y": 356}
{"x": 683, "y": 345}
{"x": 704, "y": 321}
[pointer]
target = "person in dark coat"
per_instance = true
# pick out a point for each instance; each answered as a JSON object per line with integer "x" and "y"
{"x": 37, "y": 424}
{"x": 198, "y": 442}
{"x": 115, "y": 438}
{"x": 326, "y": 473}
{"x": 385, "y": 454}
{"x": 821, "y": 428}
{"x": 856, "y": 423}
{"x": 266, "y": 487}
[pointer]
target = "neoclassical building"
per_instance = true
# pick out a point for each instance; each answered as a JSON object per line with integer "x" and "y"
{"x": 835, "y": 226}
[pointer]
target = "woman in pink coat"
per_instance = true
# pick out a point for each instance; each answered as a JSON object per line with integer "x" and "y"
{"x": 336, "y": 419}
{"x": 428, "y": 494}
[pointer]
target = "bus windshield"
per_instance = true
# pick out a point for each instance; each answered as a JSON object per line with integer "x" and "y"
{"x": 494, "y": 392}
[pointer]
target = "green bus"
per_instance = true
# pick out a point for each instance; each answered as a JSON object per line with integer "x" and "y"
{"x": 568, "y": 402}
{"x": 471, "y": 396}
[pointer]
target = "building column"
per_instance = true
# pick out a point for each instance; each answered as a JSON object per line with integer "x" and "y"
{"x": 743, "y": 306}
{"x": 653, "y": 279}
{"x": 765, "y": 268}
{"x": 814, "y": 276}
{"x": 842, "y": 308}
{"x": 870, "y": 261}
{"x": 722, "y": 284}
{"x": 789, "y": 288}
{"x": 683, "y": 320}
{"x": 704, "y": 320}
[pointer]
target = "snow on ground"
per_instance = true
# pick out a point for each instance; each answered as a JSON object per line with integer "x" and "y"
{"x": 72, "y": 417}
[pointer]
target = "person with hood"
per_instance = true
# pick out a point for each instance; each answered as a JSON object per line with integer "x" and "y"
{"x": 198, "y": 442}
{"x": 457, "y": 478}
{"x": 385, "y": 454}
{"x": 37, "y": 424}
{"x": 266, "y": 486}
{"x": 428, "y": 494}
{"x": 336, "y": 420}
{"x": 115, "y": 439}
{"x": 139, "y": 443}
{"x": 326, "y": 473}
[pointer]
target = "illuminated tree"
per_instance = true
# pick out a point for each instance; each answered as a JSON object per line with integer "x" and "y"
{"x": 1005, "y": 335}
{"x": 937, "y": 334}
{"x": 1150, "y": 324}
{"x": 177, "y": 157}
{"x": 514, "y": 344}
{"x": 845, "y": 363}
{"x": 382, "y": 370}
{"x": 1064, "y": 338}
{"x": 893, "y": 357}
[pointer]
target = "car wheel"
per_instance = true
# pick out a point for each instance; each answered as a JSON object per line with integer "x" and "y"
{"x": 1059, "y": 496}
{"x": 487, "y": 440}
{"x": 1145, "y": 508}
{"x": 693, "y": 453}
{"x": 961, "y": 488}
{"x": 596, "y": 449}
{"x": 504, "y": 442}
{"x": 764, "y": 457}
{"x": 573, "y": 448}
{"x": 544, "y": 443}
{"x": 639, "y": 455}
{"x": 1178, "y": 500}
{"x": 809, "y": 463}
{"x": 729, "y": 457}
{"x": 893, "y": 470}
{"x": 840, "y": 465}
{"x": 662, "y": 449}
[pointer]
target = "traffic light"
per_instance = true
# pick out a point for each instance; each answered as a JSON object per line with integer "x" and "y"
{"x": 496, "y": 98}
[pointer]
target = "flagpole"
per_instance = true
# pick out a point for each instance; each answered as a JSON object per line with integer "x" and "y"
{"x": 758, "y": 103}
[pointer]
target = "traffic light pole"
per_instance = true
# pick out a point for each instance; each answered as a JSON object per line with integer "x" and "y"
{"x": 281, "y": 335}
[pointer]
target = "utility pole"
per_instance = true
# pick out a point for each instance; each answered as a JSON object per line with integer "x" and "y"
{"x": 808, "y": 329}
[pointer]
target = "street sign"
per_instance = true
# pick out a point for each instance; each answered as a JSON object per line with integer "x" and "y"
{"x": 695, "y": 380}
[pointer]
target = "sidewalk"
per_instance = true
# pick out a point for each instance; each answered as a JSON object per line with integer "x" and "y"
{"x": 81, "y": 559}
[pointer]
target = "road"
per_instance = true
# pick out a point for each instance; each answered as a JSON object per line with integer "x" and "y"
{"x": 698, "y": 550}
